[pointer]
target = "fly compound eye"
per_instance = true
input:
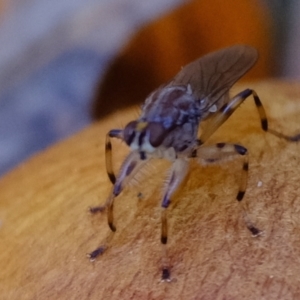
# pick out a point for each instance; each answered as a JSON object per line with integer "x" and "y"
{"x": 129, "y": 132}
{"x": 157, "y": 134}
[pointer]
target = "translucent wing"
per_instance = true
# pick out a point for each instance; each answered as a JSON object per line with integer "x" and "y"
{"x": 212, "y": 75}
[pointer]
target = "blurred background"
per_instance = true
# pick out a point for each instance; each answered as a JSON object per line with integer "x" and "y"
{"x": 67, "y": 63}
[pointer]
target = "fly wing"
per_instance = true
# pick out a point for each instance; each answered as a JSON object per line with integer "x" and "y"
{"x": 211, "y": 76}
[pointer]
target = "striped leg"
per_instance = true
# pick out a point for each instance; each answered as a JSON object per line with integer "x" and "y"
{"x": 228, "y": 108}
{"x": 130, "y": 167}
{"x": 221, "y": 152}
{"x": 178, "y": 172}
{"x": 114, "y": 133}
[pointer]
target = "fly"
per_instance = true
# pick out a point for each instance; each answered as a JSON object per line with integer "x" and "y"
{"x": 168, "y": 128}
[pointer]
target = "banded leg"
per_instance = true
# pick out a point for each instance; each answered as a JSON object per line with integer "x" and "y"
{"x": 114, "y": 133}
{"x": 178, "y": 172}
{"x": 130, "y": 167}
{"x": 221, "y": 152}
{"x": 228, "y": 109}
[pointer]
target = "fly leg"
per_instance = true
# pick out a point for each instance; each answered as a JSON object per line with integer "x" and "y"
{"x": 224, "y": 151}
{"x": 129, "y": 168}
{"x": 114, "y": 133}
{"x": 178, "y": 172}
{"x": 229, "y": 108}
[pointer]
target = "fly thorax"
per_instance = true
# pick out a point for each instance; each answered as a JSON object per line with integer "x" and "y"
{"x": 170, "y": 106}
{"x": 169, "y": 119}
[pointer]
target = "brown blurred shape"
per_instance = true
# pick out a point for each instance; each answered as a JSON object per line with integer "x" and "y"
{"x": 3, "y": 7}
{"x": 156, "y": 53}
